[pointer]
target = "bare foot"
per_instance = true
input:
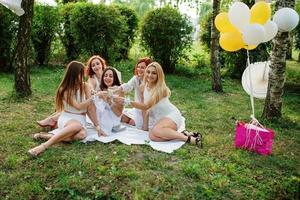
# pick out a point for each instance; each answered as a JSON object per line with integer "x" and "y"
{"x": 34, "y": 152}
{"x": 42, "y": 136}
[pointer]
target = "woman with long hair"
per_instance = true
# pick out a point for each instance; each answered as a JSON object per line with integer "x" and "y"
{"x": 110, "y": 106}
{"x": 72, "y": 99}
{"x": 94, "y": 68}
{"x": 163, "y": 119}
{"x": 135, "y": 116}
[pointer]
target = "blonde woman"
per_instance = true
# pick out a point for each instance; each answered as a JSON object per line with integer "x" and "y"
{"x": 163, "y": 118}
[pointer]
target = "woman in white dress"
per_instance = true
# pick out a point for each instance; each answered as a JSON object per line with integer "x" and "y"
{"x": 163, "y": 118}
{"x": 72, "y": 99}
{"x": 109, "y": 106}
{"x": 94, "y": 68}
{"x": 135, "y": 116}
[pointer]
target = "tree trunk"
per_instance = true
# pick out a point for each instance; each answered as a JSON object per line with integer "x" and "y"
{"x": 273, "y": 102}
{"x": 22, "y": 76}
{"x": 214, "y": 51}
{"x": 299, "y": 57}
{"x": 289, "y": 47}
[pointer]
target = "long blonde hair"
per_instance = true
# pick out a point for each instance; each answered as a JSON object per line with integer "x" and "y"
{"x": 160, "y": 89}
{"x": 71, "y": 82}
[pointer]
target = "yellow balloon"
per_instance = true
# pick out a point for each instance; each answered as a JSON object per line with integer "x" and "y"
{"x": 260, "y": 12}
{"x": 231, "y": 41}
{"x": 223, "y": 24}
{"x": 249, "y": 47}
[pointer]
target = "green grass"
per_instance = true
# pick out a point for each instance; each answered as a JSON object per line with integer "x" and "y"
{"x": 117, "y": 171}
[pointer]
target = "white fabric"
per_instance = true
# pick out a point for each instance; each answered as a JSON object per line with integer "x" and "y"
{"x": 133, "y": 83}
{"x": 132, "y": 135}
{"x": 106, "y": 117}
{"x": 69, "y": 108}
{"x": 163, "y": 109}
{"x": 65, "y": 117}
{"x": 135, "y": 114}
{"x": 97, "y": 83}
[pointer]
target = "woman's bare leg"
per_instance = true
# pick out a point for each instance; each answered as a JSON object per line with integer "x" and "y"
{"x": 72, "y": 127}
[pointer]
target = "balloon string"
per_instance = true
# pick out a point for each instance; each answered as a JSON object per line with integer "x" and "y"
{"x": 251, "y": 88}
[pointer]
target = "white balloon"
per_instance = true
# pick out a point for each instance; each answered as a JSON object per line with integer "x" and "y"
{"x": 271, "y": 30}
{"x": 253, "y": 34}
{"x": 239, "y": 15}
{"x": 286, "y": 19}
{"x": 14, "y": 6}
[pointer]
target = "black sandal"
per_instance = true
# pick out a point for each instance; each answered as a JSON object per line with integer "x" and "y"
{"x": 194, "y": 134}
{"x": 198, "y": 141}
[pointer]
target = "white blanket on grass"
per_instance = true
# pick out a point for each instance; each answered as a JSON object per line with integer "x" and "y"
{"x": 132, "y": 135}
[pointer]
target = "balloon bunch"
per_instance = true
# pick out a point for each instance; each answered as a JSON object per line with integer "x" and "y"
{"x": 246, "y": 28}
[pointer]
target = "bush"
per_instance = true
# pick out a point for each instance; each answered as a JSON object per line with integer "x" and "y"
{"x": 44, "y": 26}
{"x": 8, "y": 32}
{"x": 98, "y": 29}
{"x": 132, "y": 24}
{"x": 165, "y": 33}
{"x": 66, "y": 35}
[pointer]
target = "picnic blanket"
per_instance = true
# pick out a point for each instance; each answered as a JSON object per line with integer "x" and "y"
{"x": 131, "y": 135}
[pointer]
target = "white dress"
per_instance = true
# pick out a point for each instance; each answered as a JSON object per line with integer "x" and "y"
{"x": 71, "y": 113}
{"x": 135, "y": 114}
{"x": 163, "y": 109}
{"x": 106, "y": 117}
{"x": 97, "y": 83}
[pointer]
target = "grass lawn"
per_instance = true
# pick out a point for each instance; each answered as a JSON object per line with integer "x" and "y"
{"x": 117, "y": 171}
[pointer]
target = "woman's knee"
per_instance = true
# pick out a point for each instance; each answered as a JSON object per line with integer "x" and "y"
{"x": 154, "y": 133}
{"x": 80, "y": 136}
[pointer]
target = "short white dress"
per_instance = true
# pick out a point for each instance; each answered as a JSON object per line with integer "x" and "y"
{"x": 71, "y": 113}
{"x": 133, "y": 113}
{"x": 106, "y": 117}
{"x": 163, "y": 109}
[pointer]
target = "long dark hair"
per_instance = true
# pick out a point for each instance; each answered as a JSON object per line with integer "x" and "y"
{"x": 71, "y": 82}
{"x": 116, "y": 82}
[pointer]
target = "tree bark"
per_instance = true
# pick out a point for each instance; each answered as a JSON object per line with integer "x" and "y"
{"x": 22, "y": 76}
{"x": 214, "y": 51}
{"x": 289, "y": 48}
{"x": 273, "y": 102}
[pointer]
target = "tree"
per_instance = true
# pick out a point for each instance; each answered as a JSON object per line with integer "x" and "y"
{"x": 214, "y": 51}
{"x": 273, "y": 102}
{"x": 297, "y": 31}
{"x": 22, "y": 76}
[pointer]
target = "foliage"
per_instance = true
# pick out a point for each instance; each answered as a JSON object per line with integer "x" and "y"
{"x": 117, "y": 171}
{"x": 44, "y": 26}
{"x": 66, "y": 35}
{"x": 98, "y": 29}
{"x": 8, "y": 32}
{"x": 140, "y": 6}
{"x": 132, "y": 25}
{"x": 165, "y": 33}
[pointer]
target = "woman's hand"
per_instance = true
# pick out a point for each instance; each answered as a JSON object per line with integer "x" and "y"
{"x": 102, "y": 94}
{"x": 100, "y": 132}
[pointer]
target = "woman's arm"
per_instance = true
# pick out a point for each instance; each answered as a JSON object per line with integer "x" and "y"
{"x": 92, "y": 82}
{"x": 145, "y": 115}
{"x": 118, "y": 104}
{"x": 127, "y": 87}
{"x": 84, "y": 104}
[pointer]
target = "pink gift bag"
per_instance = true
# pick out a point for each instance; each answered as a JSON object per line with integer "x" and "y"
{"x": 254, "y": 137}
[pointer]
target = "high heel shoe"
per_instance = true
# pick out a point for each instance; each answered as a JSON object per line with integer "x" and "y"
{"x": 52, "y": 123}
